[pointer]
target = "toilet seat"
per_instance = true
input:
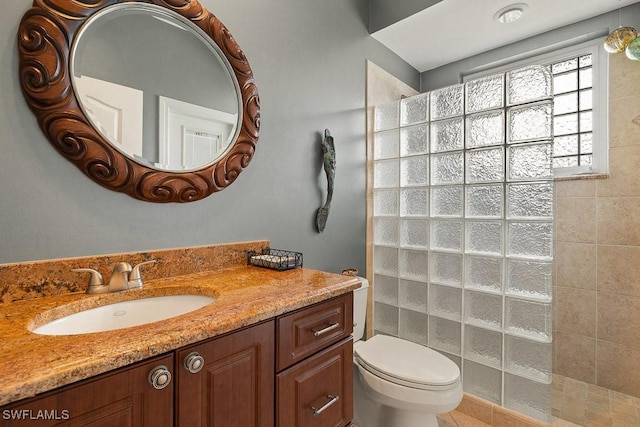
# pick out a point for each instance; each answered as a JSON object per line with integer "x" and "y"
{"x": 406, "y": 363}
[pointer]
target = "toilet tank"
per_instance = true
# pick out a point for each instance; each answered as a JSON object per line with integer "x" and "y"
{"x": 360, "y": 309}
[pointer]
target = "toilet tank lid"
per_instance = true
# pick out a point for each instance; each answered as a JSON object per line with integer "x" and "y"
{"x": 408, "y": 361}
{"x": 364, "y": 282}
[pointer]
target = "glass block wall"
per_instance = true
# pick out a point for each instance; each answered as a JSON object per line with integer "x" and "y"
{"x": 462, "y": 207}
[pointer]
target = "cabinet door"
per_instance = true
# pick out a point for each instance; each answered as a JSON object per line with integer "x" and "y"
{"x": 318, "y": 392}
{"x": 235, "y": 387}
{"x": 122, "y": 398}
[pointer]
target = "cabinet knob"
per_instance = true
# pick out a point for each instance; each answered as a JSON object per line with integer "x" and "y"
{"x": 193, "y": 362}
{"x": 159, "y": 377}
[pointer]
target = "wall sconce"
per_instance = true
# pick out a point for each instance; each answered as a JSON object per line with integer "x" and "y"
{"x": 623, "y": 39}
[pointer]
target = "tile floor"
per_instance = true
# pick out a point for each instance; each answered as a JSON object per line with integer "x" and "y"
{"x": 574, "y": 404}
{"x": 577, "y": 403}
{"x": 458, "y": 419}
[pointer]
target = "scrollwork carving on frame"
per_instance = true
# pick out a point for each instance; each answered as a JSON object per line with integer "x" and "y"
{"x": 45, "y": 38}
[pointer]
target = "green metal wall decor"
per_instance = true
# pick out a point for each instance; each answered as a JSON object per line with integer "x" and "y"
{"x": 329, "y": 163}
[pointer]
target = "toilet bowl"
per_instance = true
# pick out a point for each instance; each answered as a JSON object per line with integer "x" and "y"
{"x": 398, "y": 383}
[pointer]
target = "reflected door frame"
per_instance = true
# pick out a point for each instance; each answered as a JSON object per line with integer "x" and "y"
{"x": 187, "y": 130}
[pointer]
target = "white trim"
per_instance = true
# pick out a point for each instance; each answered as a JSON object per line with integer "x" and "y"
{"x": 600, "y": 67}
{"x": 575, "y": 46}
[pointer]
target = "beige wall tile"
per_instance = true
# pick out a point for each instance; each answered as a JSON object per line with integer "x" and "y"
{"x": 598, "y": 415}
{"x": 624, "y": 419}
{"x": 554, "y": 310}
{"x": 554, "y": 349}
{"x": 575, "y": 219}
{"x": 618, "y": 220}
{"x": 383, "y": 86}
{"x": 624, "y": 412}
{"x": 618, "y": 319}
{"x": 620, "y": 398}
{"x": 575, "y": 188}
{"x": 616, "y": 261}
{"x": 598, "y": 395}
{"x": 576, "y": 265}
{"x": 623, "y": 77}
{"x": 558, "y": 381}
{"x": 619, "y": 270}
{"x": 623, "y": 129}
{"x": 576, "y": 311}
{"x": 575, "y": 387}
{"x": 575, "y": 356}
{"x": 618, "y": 368}
{"x": 624, "y": 174}
{"x": 574, "y": 409}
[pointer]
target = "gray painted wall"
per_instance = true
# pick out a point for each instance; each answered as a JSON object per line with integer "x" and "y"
{"x": 388, "y": 12}
{"x": 309, "y": 62}
{"x": 451, "y": 73}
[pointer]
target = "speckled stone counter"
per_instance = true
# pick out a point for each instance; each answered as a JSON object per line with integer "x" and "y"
{"x": 32, "y": 364}
{"x": 44, "y": 278}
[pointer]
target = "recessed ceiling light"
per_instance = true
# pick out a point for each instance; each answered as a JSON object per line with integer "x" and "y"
{"x": 511, "y": 13}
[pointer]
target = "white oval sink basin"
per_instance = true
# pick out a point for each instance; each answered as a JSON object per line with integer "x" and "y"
{"x": 124, "y": 314}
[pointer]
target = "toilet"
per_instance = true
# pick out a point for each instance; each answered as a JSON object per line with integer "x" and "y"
{"x": 398, "y": 383}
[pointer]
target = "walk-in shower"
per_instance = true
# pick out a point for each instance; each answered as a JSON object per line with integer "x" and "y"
{"x": 463, "y": 231}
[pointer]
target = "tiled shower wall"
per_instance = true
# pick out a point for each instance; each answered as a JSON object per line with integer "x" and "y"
{"x": 462, "y": 211}
{"x": 597, "y": 253}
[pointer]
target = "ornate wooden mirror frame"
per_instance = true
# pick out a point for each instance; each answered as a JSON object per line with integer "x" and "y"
{"x": 45, "y": 38}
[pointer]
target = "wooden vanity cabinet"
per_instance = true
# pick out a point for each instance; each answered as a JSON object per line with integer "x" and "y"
{"x": 314, "y": 383}
{"x": 234, "y": 386}
{"x": 292, "y": 371}
{"x": 122, "y": 398}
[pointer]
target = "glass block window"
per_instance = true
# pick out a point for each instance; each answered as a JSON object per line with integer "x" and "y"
{"x": 579, "y": 81}
{"x": 573, "y": 111}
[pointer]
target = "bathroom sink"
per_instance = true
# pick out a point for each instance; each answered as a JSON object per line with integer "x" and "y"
{"x": 124, "y": 314}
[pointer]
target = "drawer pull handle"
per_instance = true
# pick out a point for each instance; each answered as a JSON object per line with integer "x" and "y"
{"x": 329, "y": 328}
{"x": 332, "y": 400}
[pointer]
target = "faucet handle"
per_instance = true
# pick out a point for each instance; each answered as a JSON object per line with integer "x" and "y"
{"x": 135, "y": 280}
{"x": 94, "y": 281}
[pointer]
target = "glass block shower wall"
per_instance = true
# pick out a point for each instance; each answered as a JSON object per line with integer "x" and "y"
{"x": 462, "y": 206}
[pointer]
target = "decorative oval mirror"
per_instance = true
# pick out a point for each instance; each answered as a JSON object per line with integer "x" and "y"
{"x": 151, "y": 98}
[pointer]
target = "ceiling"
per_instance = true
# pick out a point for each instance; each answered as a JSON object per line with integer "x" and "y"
{"x": 455, "y": 29}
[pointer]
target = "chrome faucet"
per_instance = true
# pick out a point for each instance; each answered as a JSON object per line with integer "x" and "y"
{"x": 123, "y": 277}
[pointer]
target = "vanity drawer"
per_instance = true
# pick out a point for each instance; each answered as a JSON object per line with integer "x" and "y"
{"x": 318, "y": 392}
{"x": 304, "y": 332}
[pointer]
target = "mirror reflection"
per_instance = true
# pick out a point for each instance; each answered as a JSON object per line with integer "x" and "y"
{"x": 157, "y": 89}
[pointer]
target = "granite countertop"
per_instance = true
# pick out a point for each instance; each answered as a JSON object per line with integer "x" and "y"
{"x": 32, "y": 364}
